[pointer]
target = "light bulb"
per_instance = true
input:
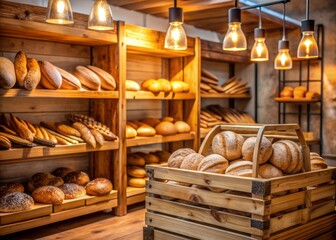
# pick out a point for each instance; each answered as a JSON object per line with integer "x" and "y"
{"x": 100, "y": 16}
{"x": 234, "y": 39}
{"x": 59, "y": 12}
{"x": 259, "y": 51}
{"x": 283, "y": 60}
{"x": 176, "y": 37}
{"x": 307, "y": 46}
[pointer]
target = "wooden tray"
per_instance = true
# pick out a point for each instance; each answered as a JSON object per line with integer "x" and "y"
{"x": 90, "y": 200}
{"x": 70, "y": 204}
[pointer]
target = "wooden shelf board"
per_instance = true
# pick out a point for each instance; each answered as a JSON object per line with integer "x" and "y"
{"x": 296, "y": 100}
{"x": 296, "y": 59}
{"x": 52, "y": 32}
{"x": 313, "y": 141}
{"x": 132, "y": 191}
{"x": 137, "y": 141}
{"x": 164, "y": 53}
{"x": 41, "y": 151}
{"x": 135, "y": 195}
{"x": 43, "y": 93}
{"x": 159, "y": 96}
{"x": 225, "y": 95}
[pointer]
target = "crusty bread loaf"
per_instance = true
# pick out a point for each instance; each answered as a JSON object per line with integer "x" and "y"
{"x": 136, "y": 182}
{"x": 48, "y": 194}
{"x": 165, "y": 128}
{"x": 136, "y": 171}
{"x": 238, "y": 165}
{"x": 176, "y": 158}
{"x": 300, "y": 92}
{"x": 182, "y": 127}
{"x": 130, "y": 132}
{"x": 38, "y": 180}
{"x": 7, "y": 73}
{"x": 163, "y": 155}
{"x": 51, "y": 77}
{"x": 6, "y": 188}
{"x": 228, "y": 144}
{"x": 132, "y": 85}
{"x": 107, "y": 80}
{"x": 78, "y": 177}
{"x": 72, "y": 190}
{"x": 265, "y": 151}
{"x": 33, "y": 76}
{"x": 62, "y": 171}
{"x": 5, "y": 143}
{"x": 85, "y": 133}
{"x": 145, "y": 131}
{"x": 98, "y": 137}
{"x": 149, "y": 158}
{"x": 69, "y": 81}
{"x": 145, "y": 84}
{"x": 287, "y": 92}
{"x": 99, "y": 187}
{"x": 87, "y": 78}
{"x": 135, "y": 160}
{"x": 269, "y": 171}
{"x": 151, "y": 121}
{"x": 164, "y": 84}
{"x": 191, "y": 161}
{"x": 16, "y": 201}
{"x": 242, "y": 173}
{"x": 21, "y": 129}
{"x": 20, "y": 64}
{"x": 317, "y": 162}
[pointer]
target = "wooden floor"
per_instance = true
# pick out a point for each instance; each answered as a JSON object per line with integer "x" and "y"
{"x": 96, "y": 226}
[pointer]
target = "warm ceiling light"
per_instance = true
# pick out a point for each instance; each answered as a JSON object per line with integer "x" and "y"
{"x": 100, "y": 16}
{"x": 59, "y": 12}
{"x": 259, "y": 51}
{"x": 176, "y": 37}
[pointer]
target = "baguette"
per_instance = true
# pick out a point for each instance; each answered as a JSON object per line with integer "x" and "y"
{"x": 69, "y": 81}
{"x": 86, "y": 134}
{"x": 217, "y": 88}
{"x": 212, "y": 91}
{"x": 208, "y": 80}
{"x": 23, "y": 122}
{"x": 38, "y": 132}
{"x": 107, "y": 81}
{"x": 20, "y": 64}
{"x": 57, "y": 135}
{"x": 7, "y": 130}
{"x": 5, "y": 121}
{"x": 98, "y": 137}
{"x": 205, "y": 86}
{"x": 18, "y": 140}
{"x": 51, "y": 78}
{"x": 87, "y": 78}
{"x": 238, "y": 86}
{"x": 230, "y": 80}
{"x": 67, "y": 130}
{"x": 31, "y": 127}
{"x": 62, "y": 141}
{"x": 208, "y": 74}
{"x": 230, "y": 85}
{"x": 52, "y": 138}
{"x": 44, "y": 133}
{"x": 22, "y": 130}
{"x": 80, "y": 140}
{"x": 44, "y": 142}
{"x": 5, "y": 142}
{"x": 49, "y": 125}
{"x": 33, "y": 76}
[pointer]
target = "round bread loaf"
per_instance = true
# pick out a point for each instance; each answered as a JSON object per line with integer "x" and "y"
{"x": 6, "y": 188}
{"x": 48, "y": 194}
{"x": 163, "y": 155}
{"x": 145, "y": 131}
{"x": 7, "y": 73}
{"x": 72, "y": 190}
{"x": 130, "y": 132}
{"x": 155, "y": 87}
{"x": 299, "y": 92}
{"x": 149, "y": 158}
{"x": 51, "y": 77}
{"x": 164, "y": 84}
{"x": 151, "y": 121}
{"x": 269, "y": 171}
{"x": 176, "y": 158}
{"x": 56, "y": 181}
{"x": 191, "y": 161}
{"x": 132, "y": 85}
{"x": 242, "y": 173}
{"x": 145, "y": 84}
{"x": 165, "y": 128}
{"x": 69, "y": 81}
{"x": 136, "y": 171}
{"x": 99, "y": 187}
{"x": 137, "y": 182}
{"x": 228, "y": 144}
{"x": 87, "y": 78}
{"x": 265, "y": 151}
{"x": 177, "y": 86}
{"x": 107, "y": 80}
{"x": 62, "y": 171}
{"x": 182, "y": 127}
{"x": 287, "y": 92}
{"x": 78, "y": 177}
{"x": 238, "y": 165}
{"x": 20, "y": 64}
{"x": 16, "y": 201}
{"x": 135, "y": 160}
{"x": 39, "y": 180}
{"x": 296, "y": 154}
{"x": 167, "y": 119}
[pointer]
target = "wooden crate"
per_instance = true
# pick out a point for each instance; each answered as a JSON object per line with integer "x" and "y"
{"x": 251, "y": 210}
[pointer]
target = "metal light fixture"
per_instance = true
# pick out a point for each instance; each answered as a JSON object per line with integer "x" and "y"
{"x": 259, "y": 51}
{"x": 59, "y": 12}
{"x": 234, "y": 39}
{"x": 283, "y": 60}
{"x": 176, "y": 37}
{"x": 101, "y": 16}
{"x": 307, "y": 46}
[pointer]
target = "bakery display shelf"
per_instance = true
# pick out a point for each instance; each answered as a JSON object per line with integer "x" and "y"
{"x": 45, "y": 93}
{"x": 296, "y": 100}
{"x": 225, "y": 95}
{"x": 137, "y": 141}
{"x": 159, "y": 96}
{"x": 296, "y": 59}
{"x": 135, "y": 195}
{"x": 55, "y": 33}
{"x": 41, "y": 151}
{"x": 56, "y": 217}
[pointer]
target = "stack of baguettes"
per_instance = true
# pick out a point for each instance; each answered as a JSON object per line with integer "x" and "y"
{"x": 209, "y": 84}
{"x": 214, "y": 115}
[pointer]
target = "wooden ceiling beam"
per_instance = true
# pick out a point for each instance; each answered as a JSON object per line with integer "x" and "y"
{"x": 122, "y": 2}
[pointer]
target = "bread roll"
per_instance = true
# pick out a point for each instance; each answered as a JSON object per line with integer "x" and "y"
{"x": 265, "y": 151}
{"x": 132, "y": 85}
{"x": 167, "y": 119}
{"x": 145, "y": 131}
{"x": 67, "y": 130}
{"x": 98, "y": 137}
{"x": 242, "y": 173}
{"x": 78, "y": 177}
{"x": 69, "y": 81}
{"x": 72, "y": 190}
{"x": 130, "y": 132}
{"x": 87, "y": 78}
{"x": 165, "y": 128}
{"x": 6, "y": 188}
{"x": 287, "y": 92}
{"x": 149, "y": 158}
{"x": 43, "y": 179}
{"x": 7, "y": 73}
{"x": 136, "y": 182}
{"x": 177, "y": 157}
{"x": 107, "y": 80}
{"x": 163, "y": 155}
{"x": 182, "y": 127}
{"x": 238, "y": 165}
{"x": 135, "y": 171}
{"x": 228, "y": 144}
{"x": 62, "y": 171}
{"x": 177, "y": 86}
{"x": 99, "y": 187}
{"x": 56, "y": 181}
{"x": 85, "y": 133}
{"x": 135, "y": 160}
{"x": 16, "y": 201}
{"x": 191, "y": 161}
{"x": 312, "y": 95}
{"x": 151, "y": 121}
{"x": 51, "y": 77}
{"x": 269, "y": 171}
{"x": 20, "y": 64}
{"x": 155, "y": 87}
{"x": 48, "y": 194}
{"x": 164, "y": 85}
{"x": 145, "y": 84}
{"x": 185, "y": 87}
{"x": 300, "y": 92}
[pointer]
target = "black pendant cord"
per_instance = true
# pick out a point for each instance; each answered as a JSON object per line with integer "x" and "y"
{"x": 307, "y": 9}
{"x": 236, "y": 3}
{"x": 260, "y": 23}
{"x": 175, "y": 3}
{"x": 284, "y": 23}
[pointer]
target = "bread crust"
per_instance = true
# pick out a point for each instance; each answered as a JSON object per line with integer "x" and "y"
{"x": 48, "y": 194}
{"x": 228, "y": 144}
{"x": 72, "y": 190}
{"x": 51, "y": 77}
{"x": 78, "y": 177}
{"x": 7, "y": 73}
{"x": 20, "y": 64}
{"x": 16, "y": 201}
{"x": 33, "y": 76}
{"x": 99, "y": 187}
{"x": 176, "y": 158}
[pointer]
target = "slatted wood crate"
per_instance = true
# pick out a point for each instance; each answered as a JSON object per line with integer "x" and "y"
{"x": 250, "y": 210}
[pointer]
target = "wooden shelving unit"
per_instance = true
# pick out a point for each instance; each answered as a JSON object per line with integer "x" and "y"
{"x": 141, "y": 95}
{"x": 138, "y": 141}
{"x": 225, "y": 95}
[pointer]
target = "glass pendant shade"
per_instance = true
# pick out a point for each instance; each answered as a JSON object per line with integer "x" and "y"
{"x": 234, "y": 39}
{"x": 307, "y": 46}
{"x": 101, "y": 16}
{"x": 59, "y": 12}
{"x": 176, "y": 38}
{"x": 283, "y": 60}
{"x": 259, "y": 51}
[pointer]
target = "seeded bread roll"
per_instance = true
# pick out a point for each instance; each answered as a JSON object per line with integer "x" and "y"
{"x": 20, "y": 64}
{"x": 176, "y": 158}
{"x": 107, "y": 80}
{"x": 78, "y": 177}
{"x": 16, "y": 201}
{"x": 135, "y": 171}
{"x": 51, "y": 78}
{"x": 7, "y": 73}
{"x": 69, "y": 81}
{"x": 182, "y": 127}
{"x": 137, "y": 182}
{"x": 228, "y": 144}
{"x": 62, "y": 172}
{"x": 87, "y": 78}
{"x": 265, "y": 151}
{"x": 72, "y": 190}
{"x": 135, "y": 160}
{"x": 48, "y": 194}
{"x": 192, "y": 161}
{"x": 269, "y": 171}
{"x": 99, "y": 187}
{"x": 6, "y": 188}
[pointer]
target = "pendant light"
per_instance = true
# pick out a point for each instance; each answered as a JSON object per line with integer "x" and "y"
{"x": 59, "y": 12}
{"x": 234, "y": 39}
{"x": 101, "y": 16}
{"x": 176, "y": 37}
{"x": 283, "y": 60}
{"x": 259, "y": 51}
{"x": 307, "y": 46}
